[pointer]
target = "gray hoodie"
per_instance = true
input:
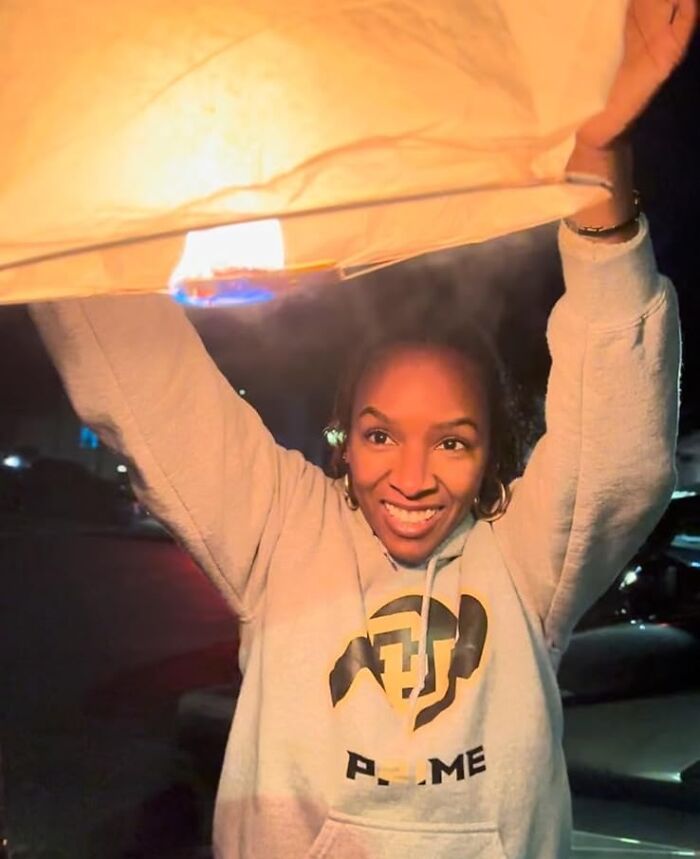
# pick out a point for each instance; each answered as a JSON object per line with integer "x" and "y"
{"x": 388, "y": 711}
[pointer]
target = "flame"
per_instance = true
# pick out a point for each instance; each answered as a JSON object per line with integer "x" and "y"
{"x": 240, "y": 264}
{"x": 215, "y": 252}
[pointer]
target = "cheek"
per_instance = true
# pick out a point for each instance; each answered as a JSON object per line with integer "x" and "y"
{"x": 462, "y": 478}
{"x": 366, "y": 466}
{"x": 462, "y": 483}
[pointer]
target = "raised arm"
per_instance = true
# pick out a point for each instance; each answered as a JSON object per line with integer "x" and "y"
{"x": 603, "y": 472}
{"x": 137, "y": 372}
{"x": 600, "y": 477}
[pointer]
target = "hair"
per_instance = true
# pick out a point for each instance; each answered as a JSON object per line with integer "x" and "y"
{"x": 510, "y": 430}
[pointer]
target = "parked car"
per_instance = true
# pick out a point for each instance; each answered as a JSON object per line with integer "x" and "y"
{"x": 630, "y": 683}
{"x": 57, "y": 489}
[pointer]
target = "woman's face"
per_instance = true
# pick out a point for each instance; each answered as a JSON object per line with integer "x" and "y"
{"x": 418, "y": 446}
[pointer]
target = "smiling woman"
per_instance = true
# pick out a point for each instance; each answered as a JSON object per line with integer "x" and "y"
{"x": 428, "y": 430}
{"x": 398, "y": 653}
{"x": 418, "y": 447}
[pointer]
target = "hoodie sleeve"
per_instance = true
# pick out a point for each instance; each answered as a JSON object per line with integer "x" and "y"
{"x": 603, "y": 472}
{"x": 138, "y": 374}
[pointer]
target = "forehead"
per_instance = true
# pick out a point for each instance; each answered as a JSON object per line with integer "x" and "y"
{"x": 420, "y": 379}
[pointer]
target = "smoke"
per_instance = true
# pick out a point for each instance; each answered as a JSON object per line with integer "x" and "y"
{"x": 288, "y": 354}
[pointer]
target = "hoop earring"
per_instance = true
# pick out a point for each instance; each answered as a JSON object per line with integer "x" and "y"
{"x": 496, "y": 510}
{"x": 350, "y": 499}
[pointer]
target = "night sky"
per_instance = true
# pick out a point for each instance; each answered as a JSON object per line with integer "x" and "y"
{"x": 294, "y": 347}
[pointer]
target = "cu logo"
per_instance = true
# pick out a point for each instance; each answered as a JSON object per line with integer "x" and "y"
{"x": 390, "y": 652}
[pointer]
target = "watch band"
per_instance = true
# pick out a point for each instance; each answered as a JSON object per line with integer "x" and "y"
{"x": 600, "y": 232}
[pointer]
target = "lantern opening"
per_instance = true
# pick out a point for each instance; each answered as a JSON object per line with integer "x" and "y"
{"x": 242, "y": 263}
{"x": 228, "y": 265}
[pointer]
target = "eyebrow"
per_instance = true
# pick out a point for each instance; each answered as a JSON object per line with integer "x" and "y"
{"x": 458, "y": 422}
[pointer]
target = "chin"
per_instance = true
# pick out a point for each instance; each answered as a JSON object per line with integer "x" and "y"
{"x": 404, "y": 548}
{"x": 415, "y": 552}
{"x": 411, "y": 556}
{"x": 418, "y": 561}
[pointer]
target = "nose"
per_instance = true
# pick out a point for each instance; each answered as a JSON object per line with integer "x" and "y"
{"x": 411, "y": 475}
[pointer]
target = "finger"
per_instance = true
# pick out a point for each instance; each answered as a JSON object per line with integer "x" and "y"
{"x": 684, "y": 19}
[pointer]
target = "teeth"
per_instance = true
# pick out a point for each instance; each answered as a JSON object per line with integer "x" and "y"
{"x": 410, "y": 515}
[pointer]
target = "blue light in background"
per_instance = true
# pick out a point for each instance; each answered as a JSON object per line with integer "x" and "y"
{"x": 88, "y": 439}
{"x": 14, "y": 461}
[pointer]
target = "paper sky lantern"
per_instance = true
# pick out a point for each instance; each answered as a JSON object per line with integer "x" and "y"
{"x": 369, "y": 131}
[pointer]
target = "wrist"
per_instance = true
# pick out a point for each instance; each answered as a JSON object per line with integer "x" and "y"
{"x": 614, "y": 165}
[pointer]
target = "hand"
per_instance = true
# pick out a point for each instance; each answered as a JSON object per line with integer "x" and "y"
{"x": 657, "y": 35}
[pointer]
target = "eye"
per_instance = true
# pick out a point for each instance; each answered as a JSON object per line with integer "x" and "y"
{"x": 378, "y": 437}
{"x": 453, "y": 444}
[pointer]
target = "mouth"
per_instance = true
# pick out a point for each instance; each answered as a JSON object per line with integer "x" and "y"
{"x": 410, "y": 522}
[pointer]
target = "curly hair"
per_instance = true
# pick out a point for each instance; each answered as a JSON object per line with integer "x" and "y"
{"x": 510, "y": 431}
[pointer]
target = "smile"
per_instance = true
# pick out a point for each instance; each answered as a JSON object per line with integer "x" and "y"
{"x": 410, "y": 516}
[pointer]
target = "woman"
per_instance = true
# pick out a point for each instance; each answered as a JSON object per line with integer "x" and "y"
{"x": 399, "y": 654}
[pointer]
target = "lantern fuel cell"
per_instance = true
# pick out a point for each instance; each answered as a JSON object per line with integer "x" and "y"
{"x": 239, "y": 264}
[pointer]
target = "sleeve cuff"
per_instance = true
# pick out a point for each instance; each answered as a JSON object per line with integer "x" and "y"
{"x": 609, "y": 282}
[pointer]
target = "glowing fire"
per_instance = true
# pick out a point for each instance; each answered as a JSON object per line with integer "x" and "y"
{"x": 220, "y": 251}
{"x": 240, "y": 264}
